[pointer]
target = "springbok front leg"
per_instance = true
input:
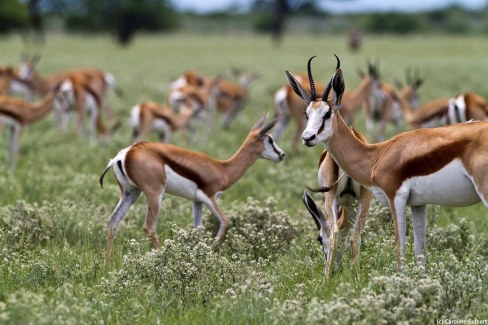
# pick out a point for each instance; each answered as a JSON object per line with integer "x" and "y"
{"x": 211, "y": 204}
{"x": 13, "y": 143}
{"x": 359, "y": 220}
{"x": 127, "y": 199}
{"x": 197, "y": 214}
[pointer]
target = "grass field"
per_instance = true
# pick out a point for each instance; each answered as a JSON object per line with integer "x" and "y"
{"x": 269, "y": 269}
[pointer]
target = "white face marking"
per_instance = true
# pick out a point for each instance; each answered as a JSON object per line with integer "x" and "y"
{"x": 109, "y": 80}
{"x": 457, "y": 110}
{"x": 450, "y": 186}
{"x": 180, "y": 82}
{"x": 19, "y": 89}
{"x": 179, "y": 185}
{"x": 25, "y": 71}
{"x": 271, "y": 150}
{"x": 318, "y": 116}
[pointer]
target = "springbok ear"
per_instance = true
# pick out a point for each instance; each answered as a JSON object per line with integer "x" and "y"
{"x": 269, "y": 126}
{"x": 297, "y": 88}
{"x": 260, "y": 122}
{"x": 338, "y": 87}
{"x": 314, "y": 211}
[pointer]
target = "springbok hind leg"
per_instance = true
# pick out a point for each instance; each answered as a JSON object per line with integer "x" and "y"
{"x": 127, "y": 199}
{"x": 419, "y": 221}
{"x": 150, "y": 225}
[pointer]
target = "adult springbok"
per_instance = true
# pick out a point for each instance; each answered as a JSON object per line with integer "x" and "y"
{"x": 156, "y": 168}
{"x": 444, "y": 166}
{"x": 16, "y": 113}
{"x": 467, "y": 106}
{"x": 288, "y": 104}
{"x": 346, "y": 206}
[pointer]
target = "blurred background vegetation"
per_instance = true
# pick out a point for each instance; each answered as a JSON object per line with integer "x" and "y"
{"x": 125, "y": 18}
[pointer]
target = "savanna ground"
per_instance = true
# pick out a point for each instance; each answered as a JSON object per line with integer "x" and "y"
{"x": 269, "y": 269}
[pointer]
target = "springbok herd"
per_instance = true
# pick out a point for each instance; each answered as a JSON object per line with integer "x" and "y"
{"x": 442, "y": 161}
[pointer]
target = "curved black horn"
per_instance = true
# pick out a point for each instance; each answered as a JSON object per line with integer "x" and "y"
{"x": 310, "y": 78}
{"x": 338, "y": 62}
{"x": 325, "y": 95}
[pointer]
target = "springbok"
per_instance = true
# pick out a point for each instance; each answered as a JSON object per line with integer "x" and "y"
{"x": 288, "y": 104}
{"x": 231, "y": 96}
{"x": 16, "y": 113}
{"x": 86, "y": 100}
{"x": 346, "y": 206}
{"x": 100, "y": 81}
{"x": 156, "y": 168}
{"x": 467, "y": 106}
{"x": 444, "y": 166}
{"x": 148, "y": 116}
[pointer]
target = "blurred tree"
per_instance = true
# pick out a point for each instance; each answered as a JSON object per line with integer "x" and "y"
{"x": 123, "y": 18}
{"x": 272, "y": 14}
{"x": 13, "y": 15}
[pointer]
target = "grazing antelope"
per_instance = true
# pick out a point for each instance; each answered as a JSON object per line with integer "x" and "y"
{"x": 86, "y": 100}
{"x": 192, "y": 86}
{"x": 15, "y": 113}
{"x": 11, "y": 84}
{"x": 289, "y": 104}
{"x": 157, "y": 168}
{"x": 231, "y": 97}
{"x": 467, "y": 106}
{"x": 444, "y": 166}
{"x": 100, "y": 81}
{"x": 346, "y": 206}
{"x": 148, "y": 116}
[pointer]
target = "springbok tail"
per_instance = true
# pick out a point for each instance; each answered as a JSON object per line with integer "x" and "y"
{"x": 110, "y": 164}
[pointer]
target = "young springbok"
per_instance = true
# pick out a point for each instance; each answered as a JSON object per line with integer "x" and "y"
{"x": 156, "y": 168}
{"x": 15, "y": 113}
{"x": 346, "y": 206}
{"x": 148, "y": 116}
{"x": 444, "y": 166}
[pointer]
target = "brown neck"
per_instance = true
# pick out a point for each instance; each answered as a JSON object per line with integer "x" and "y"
{"x": 236, "y": 166}
{"x": 182, "y": 119}
{"x": 407, "y": 108}
{"x": 39, "y": 83}
{"x": 356, "y": 158}
{"x": 361, "y": 93}
{"x": 38, "y": 111}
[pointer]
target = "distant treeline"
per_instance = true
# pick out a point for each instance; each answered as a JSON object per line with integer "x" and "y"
{"x": 123, "y": 18}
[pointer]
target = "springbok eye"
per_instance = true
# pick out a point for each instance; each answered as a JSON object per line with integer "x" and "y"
{"x": 270, "y": 140}
{"x": 327, "y": 115}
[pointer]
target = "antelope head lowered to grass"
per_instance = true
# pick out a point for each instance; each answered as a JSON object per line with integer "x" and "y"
{"x": 346, "y": 205}
{"x": 16, "y": 113}
{"x": 445, "y": 166}
{"x": 156, "y": 168}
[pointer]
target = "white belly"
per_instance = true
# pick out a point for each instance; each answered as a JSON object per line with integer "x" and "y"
{"x": 450, "y": 186}
{"x": 435, "y": 122}
{"x": 179, "y": 185}
{"x": 161, "y": 125}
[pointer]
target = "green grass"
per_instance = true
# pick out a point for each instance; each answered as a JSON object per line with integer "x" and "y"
{"x": 53, "y": 212}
